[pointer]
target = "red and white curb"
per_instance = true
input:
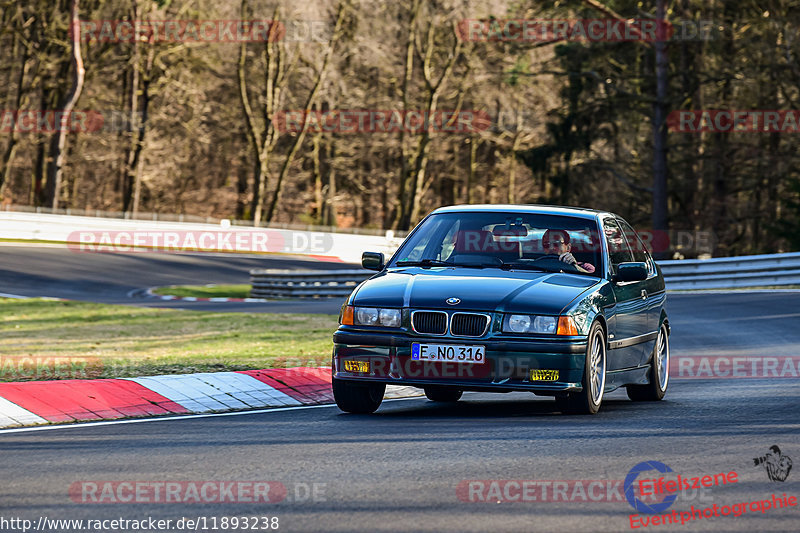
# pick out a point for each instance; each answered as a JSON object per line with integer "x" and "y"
{"x": 43, "y": 402}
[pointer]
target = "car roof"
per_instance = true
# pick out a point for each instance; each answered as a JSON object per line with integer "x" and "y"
{"x": 580, "y": 212}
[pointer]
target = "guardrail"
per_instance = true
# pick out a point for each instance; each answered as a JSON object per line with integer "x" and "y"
{"x": 305, "y": 283}
{"x": 77, "y": 230}
{"x": 732, "y": 272}
{"x": 191, "y": 219}
{"x": 719, "y": 273}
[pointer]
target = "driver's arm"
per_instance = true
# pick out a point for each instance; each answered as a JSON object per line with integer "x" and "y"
{"x": 567, "y": 257}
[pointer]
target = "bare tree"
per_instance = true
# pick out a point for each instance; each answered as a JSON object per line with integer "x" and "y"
{"x": 414, "y": 169}
{"x": 59, "y": 140}
{"x": 312, "y": 95}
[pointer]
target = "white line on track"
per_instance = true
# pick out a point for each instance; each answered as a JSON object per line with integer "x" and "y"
{"x": 14, "y": 296}
{"x": 676, "y": 292}
{"x": 17, "y": 244}
{"x": 178, "y": 417}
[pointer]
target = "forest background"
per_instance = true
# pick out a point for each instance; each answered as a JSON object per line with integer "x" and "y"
{"x": 208, "y": 126}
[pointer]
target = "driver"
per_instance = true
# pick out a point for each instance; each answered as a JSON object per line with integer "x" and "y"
{"x": 556, "y": 242}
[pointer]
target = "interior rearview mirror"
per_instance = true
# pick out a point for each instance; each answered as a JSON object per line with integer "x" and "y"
{"x": 511, "y": 231}
{"x": 372, "y": 260}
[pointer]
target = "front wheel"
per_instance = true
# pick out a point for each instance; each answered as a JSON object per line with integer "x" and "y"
{"x": 658, "y": 373}
{"x": 594, "y": 377}
{"x": 359, "y": 398}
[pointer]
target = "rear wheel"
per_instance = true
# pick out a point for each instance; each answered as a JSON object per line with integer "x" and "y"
{"x": 443, "y": 394}
{"x": 360, "y": 398}
{"x": 594, "y": 377}
{"x": 658, "y": 373}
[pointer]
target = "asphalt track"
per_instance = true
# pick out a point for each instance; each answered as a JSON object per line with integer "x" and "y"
{"x": 120, "y": 278}
{"x": 400, "y": 469}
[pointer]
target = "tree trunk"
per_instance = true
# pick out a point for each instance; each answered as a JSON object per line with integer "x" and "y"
{"x": 60, "y": 137}
{"x": 331, "y": 212}
{"x": 402, "y": 206}
{"x": 146, "y": 80}
{"x": 11, "y": 147}
{"x": 298, "y": 140}
{"x": 660, "y": 212}
{"x": 317, "y": 173}
{"x": 133, "y": 106}
{"x": 512, "y": 171}
{"x": 241, "y": 188}
{"x": 254, "y": 133}
{"x": 420, "y": 162}
{"x": 473, "y": 165}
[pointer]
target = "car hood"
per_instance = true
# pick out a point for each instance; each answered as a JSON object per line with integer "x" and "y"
{"x": 478, "y": 289}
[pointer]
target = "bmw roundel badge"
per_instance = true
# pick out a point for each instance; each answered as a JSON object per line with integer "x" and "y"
{"x": 453, "y": 301}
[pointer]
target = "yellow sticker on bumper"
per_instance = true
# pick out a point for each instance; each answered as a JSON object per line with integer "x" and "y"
{"x": 544, "y": 375}
{"x": 356, "y": 366}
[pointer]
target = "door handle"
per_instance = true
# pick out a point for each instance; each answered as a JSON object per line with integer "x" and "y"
{"x": 644, "y": 294}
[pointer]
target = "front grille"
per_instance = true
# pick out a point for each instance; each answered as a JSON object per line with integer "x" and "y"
{"x": 469, "y": 324}
{"x": 431, "y": 322}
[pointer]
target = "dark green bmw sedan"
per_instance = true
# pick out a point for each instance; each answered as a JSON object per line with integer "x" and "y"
{"x": 561, "y": 302}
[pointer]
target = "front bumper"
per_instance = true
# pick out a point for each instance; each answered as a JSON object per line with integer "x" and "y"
{"x": 507, "y": 368}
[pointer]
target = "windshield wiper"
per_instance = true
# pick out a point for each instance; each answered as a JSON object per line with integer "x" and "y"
{"x": 527, "y": 266}
{"x": 426, "y": 263}
{"x": 530, "y": 266}
{"x": 438, "y": 262}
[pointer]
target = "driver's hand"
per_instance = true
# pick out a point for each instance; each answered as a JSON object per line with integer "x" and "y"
{"x": 567, "y": 258}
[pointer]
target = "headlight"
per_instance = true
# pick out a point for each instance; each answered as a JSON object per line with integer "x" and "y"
{"x": 373, "y": 316}
{"x": 530, "y": 324}
{"x": 519, "y": 323}
{"x": 389, "y": 318}
{"x": 366, "y": 316}
{"x": 544, "y": 324}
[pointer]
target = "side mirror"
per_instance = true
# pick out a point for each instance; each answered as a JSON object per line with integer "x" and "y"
{"x": 631, "y": 272}
{"x": 373, "y": 260}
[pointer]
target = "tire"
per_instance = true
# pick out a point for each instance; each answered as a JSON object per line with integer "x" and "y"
{"x": 442, "y": 394}
{"x": 587, "y": 402}
{"x": 359, "y": 398}
{"x": 658, "y": 375}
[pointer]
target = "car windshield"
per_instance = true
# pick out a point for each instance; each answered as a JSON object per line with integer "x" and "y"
{"x": 504, "y": 240}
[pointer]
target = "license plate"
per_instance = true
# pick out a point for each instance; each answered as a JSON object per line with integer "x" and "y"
{"x": 544, "y": 375}
{"x": 356, "y": 366}
{"x": 448, "y": 353}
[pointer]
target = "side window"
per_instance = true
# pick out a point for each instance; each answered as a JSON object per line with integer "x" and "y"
{"x": 416, "y": 253}
{"x": 449, "y": 241}
{"x": 423, "y": 247}
{"x": 618, "y": 249}
{"x": 636, "y": 244}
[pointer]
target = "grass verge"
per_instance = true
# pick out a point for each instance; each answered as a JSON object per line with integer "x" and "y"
{"x": 205, "y": 291}
{"x": 42, "y": 339}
